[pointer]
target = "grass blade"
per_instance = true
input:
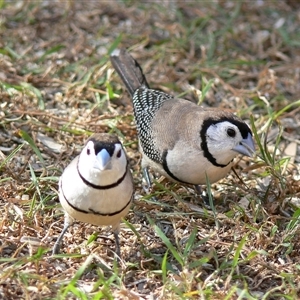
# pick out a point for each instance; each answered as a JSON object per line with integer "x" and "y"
{"x": 36, "y": 92}
{"x": 167, "y": 242}
{"x": 164, "y": 267}
{"x": 25, "y": 136}
{"x": 190, "y": 243}
{"x": 11, "y": 155}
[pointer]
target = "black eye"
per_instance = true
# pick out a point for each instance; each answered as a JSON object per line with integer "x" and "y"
{"x": 88, "y": 151}
{"x": 119, "y": 153}
{"x": 231, "y": 132}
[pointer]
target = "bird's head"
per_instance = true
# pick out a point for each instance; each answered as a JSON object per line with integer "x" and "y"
{"x": 226, "y": 137}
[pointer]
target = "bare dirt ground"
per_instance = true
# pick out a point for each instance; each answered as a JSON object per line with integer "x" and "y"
{"x": 57, "y": 87}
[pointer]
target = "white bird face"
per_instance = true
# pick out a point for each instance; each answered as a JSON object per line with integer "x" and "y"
{"x": 99, "y": 158}
{"x": 226, "y": 139}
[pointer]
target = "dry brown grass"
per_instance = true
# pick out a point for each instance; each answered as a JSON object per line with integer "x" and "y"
{"x": 56, "y": 82}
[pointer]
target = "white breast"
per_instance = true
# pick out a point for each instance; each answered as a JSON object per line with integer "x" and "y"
{"x": 86, "y": 198}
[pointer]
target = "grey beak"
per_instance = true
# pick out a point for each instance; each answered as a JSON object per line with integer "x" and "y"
{"x": 246, "y": 146}
{"x": 102, "y": 160}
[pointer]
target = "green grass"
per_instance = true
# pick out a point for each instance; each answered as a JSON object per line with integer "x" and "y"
{"x": 56, "y": 80}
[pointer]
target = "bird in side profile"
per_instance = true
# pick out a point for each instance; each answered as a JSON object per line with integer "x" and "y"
{"x": 97, "y": 186}
{"x": 179, "y": 139}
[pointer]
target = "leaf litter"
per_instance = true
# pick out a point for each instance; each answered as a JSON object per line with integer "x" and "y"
{"x": 57, "y": 87}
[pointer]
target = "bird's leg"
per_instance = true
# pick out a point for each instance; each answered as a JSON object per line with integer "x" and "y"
{"x": 67, "y": 223}
{"x": 198, "y": 189}
{"x": 202, "y": 194}
{"x": 146, "y": 176}
{"x": 117, "y": 240}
